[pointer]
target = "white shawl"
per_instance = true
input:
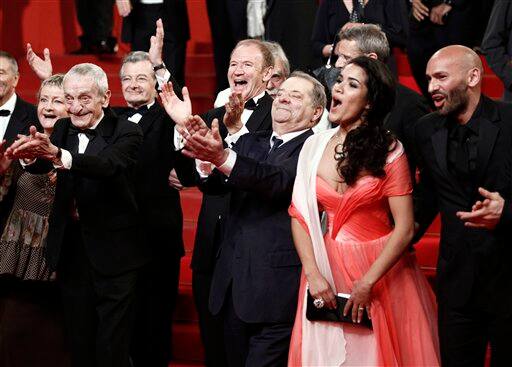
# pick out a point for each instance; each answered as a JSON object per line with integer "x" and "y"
{"x": 323, "y": 343}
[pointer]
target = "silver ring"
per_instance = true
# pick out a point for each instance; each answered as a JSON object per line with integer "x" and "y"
{"x": 318, "y": 303}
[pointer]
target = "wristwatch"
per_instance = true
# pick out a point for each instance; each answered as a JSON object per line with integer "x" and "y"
{"x": 158, "y": 67}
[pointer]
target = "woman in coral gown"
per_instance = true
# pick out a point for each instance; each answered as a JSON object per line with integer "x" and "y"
{"x": 358, "y": 175}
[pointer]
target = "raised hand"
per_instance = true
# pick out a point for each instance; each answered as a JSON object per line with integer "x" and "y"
{"x": 156, "y": 44}
{"x": 179, "y": 110}
{"x": 233, "y": 116}
{"x": 205, "y": 145}
{"x": 484, "y": 214}
{"x": 124, "y": 7}
{"x": 438, "y": 12}
{"x": 42, "y": 68}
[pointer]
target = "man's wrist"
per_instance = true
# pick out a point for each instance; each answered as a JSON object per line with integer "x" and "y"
{"x": 221, "y": 158}
{"x": 57, "y": 154}
{"x": 233, "y": 129}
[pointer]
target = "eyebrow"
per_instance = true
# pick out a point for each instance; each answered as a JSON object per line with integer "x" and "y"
{"x": 354, "y": 79}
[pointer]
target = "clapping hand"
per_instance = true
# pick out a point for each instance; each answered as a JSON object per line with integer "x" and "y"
{"x": 42, "y": 68}
{"x": 359, "y": 300}
{"x": 35, "y": 145}
{"x": 438, "y": 12}
{"x": 486, "y": 213}
{"x": 233, "y": 116}
{"x": 202, "y": 143}
{"x": 179, "y": 110}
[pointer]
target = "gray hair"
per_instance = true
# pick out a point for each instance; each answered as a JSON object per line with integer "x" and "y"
{"x": 317, "y": 95}
{"x": 92, "y": 71}
{"x": 278, "y": 53}
{"x": 369, "y": 39}
{"x": 268, "y": 58}
{"x": 14, "y": 64}
{"x": 133, "y": 57}
{"x": 55, "y": 80}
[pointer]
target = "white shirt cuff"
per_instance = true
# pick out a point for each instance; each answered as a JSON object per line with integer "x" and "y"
{"x": 231, "y": 139}
{"x": 66, "y": 160}
{"x": 228, "y": 165}
{"x": 179, "y": 141}
{"x": 25, "y": 163}
{"x": 162, "y": 80}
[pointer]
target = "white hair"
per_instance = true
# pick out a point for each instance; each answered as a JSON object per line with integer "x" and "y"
{"x": 92, "y": 71}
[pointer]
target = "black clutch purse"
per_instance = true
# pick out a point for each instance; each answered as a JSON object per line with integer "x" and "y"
{"x": 336, "y": 315}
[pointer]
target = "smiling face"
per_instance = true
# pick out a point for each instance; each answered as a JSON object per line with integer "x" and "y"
{"x": 447, "y": 85}
{"x": 84, "y": 101}
{"x": 138, "y": 83}
{"x": 246, "y": 74}
{"x": 51, "y": 106}
{"x": 8, "y": 80}
{"x": 349, "y": 96}
{"x": 292, "y": 109}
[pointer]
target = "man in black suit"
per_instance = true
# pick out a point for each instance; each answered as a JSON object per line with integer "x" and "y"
{"x": 256, "y": 277}
{"x": 461, "y": 147}
{"x": 369, "y": 40}
{"x": 93, "y": 234}
{"x": 248, "y": 110}
{"x": 139, "y": 25}
{"x": 438, "y": 23}
{"x": 160, "y": 208}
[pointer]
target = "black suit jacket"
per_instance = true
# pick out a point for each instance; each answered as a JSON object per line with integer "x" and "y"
{"x": 473, "y": 263}
{"x": 159, "y": 204}
{"x": 214, "y": 207}
{"x": 257, "y": 258}
{"x": 101, "y": 184}
{"x": 23, "y": 116}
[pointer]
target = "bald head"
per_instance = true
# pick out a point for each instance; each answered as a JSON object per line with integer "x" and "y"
{"x": 455, "y": 76}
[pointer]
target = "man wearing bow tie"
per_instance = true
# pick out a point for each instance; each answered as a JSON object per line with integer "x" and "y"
{"x": 92, "y": 240}
{"x": 248, "y": 110}
{"x": 161, "y": 216}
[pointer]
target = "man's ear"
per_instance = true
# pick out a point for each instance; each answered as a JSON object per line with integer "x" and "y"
{"x": 106, "y": 97}
{"x": 474, "y": 77}
{"x": 372, "y": 55}
{"x": 267, "y": 74}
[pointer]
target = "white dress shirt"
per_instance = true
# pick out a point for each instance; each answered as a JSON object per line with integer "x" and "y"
{"x": 137, "y": 116}
{"x": 4, "y": 120}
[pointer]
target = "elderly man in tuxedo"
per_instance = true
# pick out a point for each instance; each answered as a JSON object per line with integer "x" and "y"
{"x": 248, "y": 109}
{"x": 92, "y": 241}
{"x": 463, "y": 146}
{"x": 256, "y": 276}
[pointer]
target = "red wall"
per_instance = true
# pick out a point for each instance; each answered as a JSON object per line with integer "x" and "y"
{"x": 52, "y": 23}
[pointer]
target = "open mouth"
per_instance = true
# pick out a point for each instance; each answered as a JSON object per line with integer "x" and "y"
{"x": 335, "y": 102}
{"x": 438, "y": 99}
{"x": 240, "y": 83}
{"x": 49, "y": 116}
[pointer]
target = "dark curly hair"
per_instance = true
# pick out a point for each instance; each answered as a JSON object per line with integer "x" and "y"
{"x": 366, "y": 147}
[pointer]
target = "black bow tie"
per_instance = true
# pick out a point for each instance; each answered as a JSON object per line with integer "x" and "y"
{"x": 250, "y": 105}
{"x": 5, "y": 113}
{"x": 90, "y": 133}
{"x": 133, "y": 111}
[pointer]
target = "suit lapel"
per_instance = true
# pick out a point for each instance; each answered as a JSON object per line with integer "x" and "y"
{"x": 285, "y": 150}
{"x": 487, "y": 135}
{"x": 440, "y": 146}
{"x": 260, "y": 113}
{"x": 105, "y": 129}
{"x": 147, "y": 120}
{"x": 17, "y": 121}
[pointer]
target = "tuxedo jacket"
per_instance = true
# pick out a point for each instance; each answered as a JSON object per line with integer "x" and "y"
{"x": 174, "y": 19}
{"x": 257, "y": 258}
{"x": 100, "y": 185}
{"x": 159, "y": 204}
{"x": 214, "y": 207}
{"x": 473, "y": 264}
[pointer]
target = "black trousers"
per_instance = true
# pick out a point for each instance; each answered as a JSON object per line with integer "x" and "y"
{"x": 157, "y": 290}
{"x": 210, "y": 326}
{"x": 98, "y": 309}
{"x": 173, "y": 53}
{"x": 96, "y": 19}
{"x": 465, "y": 332}
{"x": 254, "y": 344}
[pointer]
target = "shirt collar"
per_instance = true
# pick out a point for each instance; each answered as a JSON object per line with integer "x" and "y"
{"x": 99, "y": 120}
{"x": 10, "y": 104}
{"x": 286, "y": 137}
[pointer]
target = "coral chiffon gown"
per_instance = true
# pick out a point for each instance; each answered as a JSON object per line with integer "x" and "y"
{"x": 403, "y": 304}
